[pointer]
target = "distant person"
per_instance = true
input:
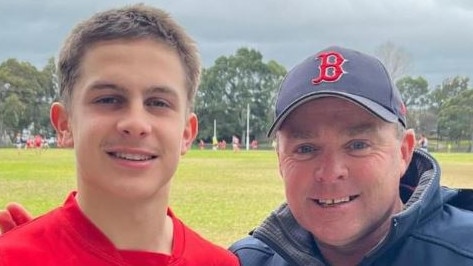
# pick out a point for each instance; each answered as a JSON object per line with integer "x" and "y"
{"x": 222, "y": 145}
{"x": 201, "y": 144}
{"x": 235, "y": 143}
{"x": 128, "y": 79}
{"x": 357, "y": 190}
{"x": 30, "y": 143}
{"x": 423, "y": 143}
{"x": 18, "y": 143}
{"x": 45, "y": 144}
{"x": 38, "y": 143}
{"x": 254, "y": 144}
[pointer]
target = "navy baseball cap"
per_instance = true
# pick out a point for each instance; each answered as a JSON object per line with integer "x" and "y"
{"x": 343, "y": 73}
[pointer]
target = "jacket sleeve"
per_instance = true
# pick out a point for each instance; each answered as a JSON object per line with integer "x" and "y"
{"x": 253, "y": 252}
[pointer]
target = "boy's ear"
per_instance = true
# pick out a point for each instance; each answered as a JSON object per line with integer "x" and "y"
{"x": 190, "y": 133}
{"x": 60, "y": 121}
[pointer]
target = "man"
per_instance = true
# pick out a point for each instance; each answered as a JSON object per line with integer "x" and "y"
{"x": 357, "y": 191}
{"x": 128, "y": 79}
{"x": 423, "y": 143}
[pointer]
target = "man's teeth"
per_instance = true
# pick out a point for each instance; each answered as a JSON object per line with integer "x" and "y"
{"x": 329, "y": 202}
{"x": 133, "y": 157}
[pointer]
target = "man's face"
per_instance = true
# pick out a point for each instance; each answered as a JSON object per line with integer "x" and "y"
{"x": 341, "y": 167}
{"x": 128, "y": 119}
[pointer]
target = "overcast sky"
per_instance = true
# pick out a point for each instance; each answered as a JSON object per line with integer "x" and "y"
{"x": 437, "y": 34}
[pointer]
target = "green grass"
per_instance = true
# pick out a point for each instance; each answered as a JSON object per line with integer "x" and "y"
{"x": 221, "y": 194}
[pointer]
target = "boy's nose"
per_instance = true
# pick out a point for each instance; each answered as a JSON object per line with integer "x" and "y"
{"x": 135, "y": 123}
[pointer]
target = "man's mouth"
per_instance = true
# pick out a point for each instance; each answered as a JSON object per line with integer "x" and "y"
{"x": 334, "y": 202}
{"x": 131, "y": 156}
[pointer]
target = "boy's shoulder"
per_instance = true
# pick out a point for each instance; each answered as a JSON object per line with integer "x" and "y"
{"x": 41, "y": 225}
{"x": 26, "y": 244}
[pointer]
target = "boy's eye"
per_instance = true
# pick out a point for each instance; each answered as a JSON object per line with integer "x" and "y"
{"x": 157, "y": 103}
{"x": 108, "y": 100}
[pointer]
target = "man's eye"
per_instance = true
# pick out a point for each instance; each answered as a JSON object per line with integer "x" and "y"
{"x": 358, "y": 145}
{"x": 305, "y": 149}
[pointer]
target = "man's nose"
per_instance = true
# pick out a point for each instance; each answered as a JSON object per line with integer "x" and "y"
{"x": 330, "y": 167}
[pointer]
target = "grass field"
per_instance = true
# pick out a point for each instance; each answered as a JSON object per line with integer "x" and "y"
{"x": 221, "y": 194}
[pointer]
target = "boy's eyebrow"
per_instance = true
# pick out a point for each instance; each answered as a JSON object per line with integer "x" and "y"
{"x": 101, "y": 85}
{"x": 161, "y": 89}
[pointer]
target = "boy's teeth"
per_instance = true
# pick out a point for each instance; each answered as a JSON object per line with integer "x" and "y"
{"x": 133, "y": 157}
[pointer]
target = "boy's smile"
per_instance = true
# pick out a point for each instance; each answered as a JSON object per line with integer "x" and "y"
{"x": 131, "y": 156}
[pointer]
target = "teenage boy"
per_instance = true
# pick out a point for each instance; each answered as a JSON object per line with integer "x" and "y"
{"x": 128, "y": 79}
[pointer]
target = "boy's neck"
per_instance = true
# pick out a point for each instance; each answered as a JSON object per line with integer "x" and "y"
{"x": 143, "y": 226}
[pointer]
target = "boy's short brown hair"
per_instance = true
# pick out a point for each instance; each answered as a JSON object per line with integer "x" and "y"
{"x": 131, "y": 22}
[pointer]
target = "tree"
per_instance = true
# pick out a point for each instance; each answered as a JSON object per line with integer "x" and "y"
{"x": 12, "y": 110}
{"x": 230, "y": 85}
{"x": 50, "y": 81}
{"x": 456, "y": 117}
{"x": 33, "y": 90}
{"x": 395, "y": 59}
{"x": 414, "y": 92}
{"x": 450, "y": 88}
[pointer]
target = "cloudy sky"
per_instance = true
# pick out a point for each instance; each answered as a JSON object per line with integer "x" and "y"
{"x": 437, "y": 34}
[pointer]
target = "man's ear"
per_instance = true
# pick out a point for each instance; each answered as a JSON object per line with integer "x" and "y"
{"x": 407, "y": 148}
{"x": 190, "y": 132}
{"x": 60, "y": 121}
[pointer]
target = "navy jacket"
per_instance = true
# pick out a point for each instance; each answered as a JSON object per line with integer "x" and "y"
{"x": 435, "y": 228}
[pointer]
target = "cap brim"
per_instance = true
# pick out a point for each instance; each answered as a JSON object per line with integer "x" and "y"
{"x": 366, "y": 104}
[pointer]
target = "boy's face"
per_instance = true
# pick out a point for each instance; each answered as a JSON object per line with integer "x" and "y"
{"x": 128, "y": 119}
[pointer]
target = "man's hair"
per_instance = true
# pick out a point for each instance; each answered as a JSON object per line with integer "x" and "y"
{"x": 129, "y": 23}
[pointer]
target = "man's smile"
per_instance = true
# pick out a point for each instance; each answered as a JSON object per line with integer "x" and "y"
{"x": 334, "y": 202}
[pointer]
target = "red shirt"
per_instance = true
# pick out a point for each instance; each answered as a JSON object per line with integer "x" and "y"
{"x": 65, "y": 236}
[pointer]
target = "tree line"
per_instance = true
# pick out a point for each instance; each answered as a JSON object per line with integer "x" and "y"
{"x": 234, "y": 83}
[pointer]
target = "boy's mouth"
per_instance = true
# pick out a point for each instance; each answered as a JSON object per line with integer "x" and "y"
{"x": 335, "y": 202}
{"x": 131, "y": 156}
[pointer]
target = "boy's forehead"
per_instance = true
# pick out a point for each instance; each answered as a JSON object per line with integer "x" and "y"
{"x": 119, "y": 63}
